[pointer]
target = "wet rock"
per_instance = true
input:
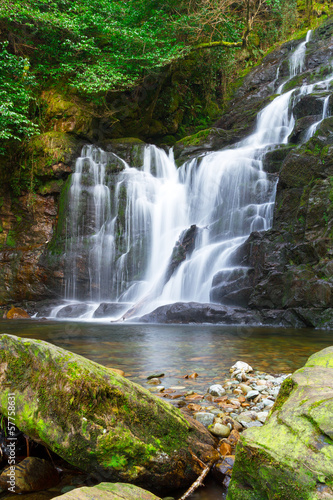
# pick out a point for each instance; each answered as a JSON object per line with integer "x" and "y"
{"x": 252, "y": 394}
{"x": 224, "y": 468}
{"x": 31, "y": 474}
{"x": 107, "y": 309}
{"x": 86, "y": 413}
{"x": 17, "y": 313}
{"x": 196, "y": 312}
{"x": 72, "y": 311}
{"x": 232, "y": 287}
{"x": 205, "y": 419}
{"x": 183, "y": 249}
{"x": 155, "y": 375}
{"x": 240, "y": 366}
{"x": 109, "y": 491}
{"x": 216, "y": 390}
{"x": 219, "y": 430}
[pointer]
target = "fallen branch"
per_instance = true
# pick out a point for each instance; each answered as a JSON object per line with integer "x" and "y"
{"x": 199, "y": 481}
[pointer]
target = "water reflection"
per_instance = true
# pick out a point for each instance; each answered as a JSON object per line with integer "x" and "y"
{"x": 178, "y": 350}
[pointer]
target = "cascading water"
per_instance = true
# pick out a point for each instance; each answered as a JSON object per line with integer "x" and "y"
{"x": 123, "y": 227}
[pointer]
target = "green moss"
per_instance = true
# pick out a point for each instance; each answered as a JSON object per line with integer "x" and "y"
{"x": 286, "y": 389}
{"x": 84, "y": 412}
{"x": 196, "y": 139}
{"x": 11, "y": 239}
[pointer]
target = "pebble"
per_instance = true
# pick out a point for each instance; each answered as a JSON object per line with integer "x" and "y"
{"x": 219, "y": 430}
{"x": 262, "y": 415}
{"x": 268, "y": 403}
{"x": 252, "y": 394}
{"x": 158, "y": 388}
{"x": 247, "y": 425}
{"x": 216, "y": 390}
{"x": 154, "y": 381}
{"x": 245, "y": 388}
{"x": 204, "y": 418}
{"x": 158, "y": 375}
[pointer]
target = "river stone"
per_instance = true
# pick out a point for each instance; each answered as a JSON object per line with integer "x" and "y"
{"x": 291, "y": 455}
{"x": 109, "y": 491}
{"x": 219, "y": 430}
{"x": 97, "y": 420}
{"x": 204, "y": 418}
{"x": 17, "y": 313}
{"x": 216, "y": 390}
{"x": 31, "y": 474}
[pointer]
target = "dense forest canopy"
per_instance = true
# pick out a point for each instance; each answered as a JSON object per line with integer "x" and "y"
{"x": 102, "y": 46}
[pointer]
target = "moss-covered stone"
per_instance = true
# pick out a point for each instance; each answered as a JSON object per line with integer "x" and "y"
{"x": 291, "y": 456}
{"x": 109, "y": 491}
{"x": 96, "y": 419}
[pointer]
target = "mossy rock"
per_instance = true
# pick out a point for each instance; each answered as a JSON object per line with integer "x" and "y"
{"x": 109, "y": 491}
{"x": 51, "y": 149}
{"x": 291, "y": 456}
{"x": 96, "y": 419}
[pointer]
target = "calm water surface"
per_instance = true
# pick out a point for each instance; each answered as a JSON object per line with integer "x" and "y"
{"x": 179, "y": 350}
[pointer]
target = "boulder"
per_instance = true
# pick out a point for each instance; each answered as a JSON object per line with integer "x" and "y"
{"x": 97, "y": 420}
{"x": 17, "y": 313}
{"x": 291, "y": 455}
{"x": 109, "y": 491}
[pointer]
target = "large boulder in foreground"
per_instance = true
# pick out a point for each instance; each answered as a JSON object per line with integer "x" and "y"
{"x": 97, "y": 420}
{"x": 291, "y": 456}
{"x": 109, "y": 491}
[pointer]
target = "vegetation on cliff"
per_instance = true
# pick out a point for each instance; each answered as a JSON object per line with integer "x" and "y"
{"x": 94, "y": 48}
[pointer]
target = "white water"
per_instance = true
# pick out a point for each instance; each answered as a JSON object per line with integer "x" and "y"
{"x": 123, "y": 232}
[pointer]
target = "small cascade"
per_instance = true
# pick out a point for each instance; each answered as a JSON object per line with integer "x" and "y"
{"x": 141, "y": 237}
{"x": 296, "y": 61}
{"x": 312, "y": 129}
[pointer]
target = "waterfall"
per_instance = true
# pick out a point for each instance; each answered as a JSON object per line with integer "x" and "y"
{"x": 125, "y": 224}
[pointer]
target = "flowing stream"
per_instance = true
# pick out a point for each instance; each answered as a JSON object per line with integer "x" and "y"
{"x": 124, "y": 226}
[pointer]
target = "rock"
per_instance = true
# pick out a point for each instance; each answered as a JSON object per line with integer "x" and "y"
{"x": 262, "y": 416}
{"x": 205, "y": 419}
{"x": 109, "y": 309}
{"x": 219, "y": 430}
{"x": 116, "y": 370}
{"x": 241, "y": 366}
{"x": 109, "y": 491}
{"x": 72, "y": 311}
{"x": 32, "y": 474}
{"x": 224, "y": 467}
{"x": 97, "y": 420}
{"x": 183, "y": 249}
{"x": 245, "y": 388}
{"x": 155, "y": 375}
{"x": 225, "y": 448}
{"x": 154, "y": 381}
{"x": 216, "y": 390}
{"x": 234, "y": 437}
{"x": 291, "y": 455}
{"x": 17, "y": 313}
{"x": 197, "y": 312}
{"x": 252, "y": 394}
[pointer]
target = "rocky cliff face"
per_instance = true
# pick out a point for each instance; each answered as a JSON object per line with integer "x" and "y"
{"x": 291, "y": 266}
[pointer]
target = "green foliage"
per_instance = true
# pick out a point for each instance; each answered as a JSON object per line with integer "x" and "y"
{"x": 16, "y": 85}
